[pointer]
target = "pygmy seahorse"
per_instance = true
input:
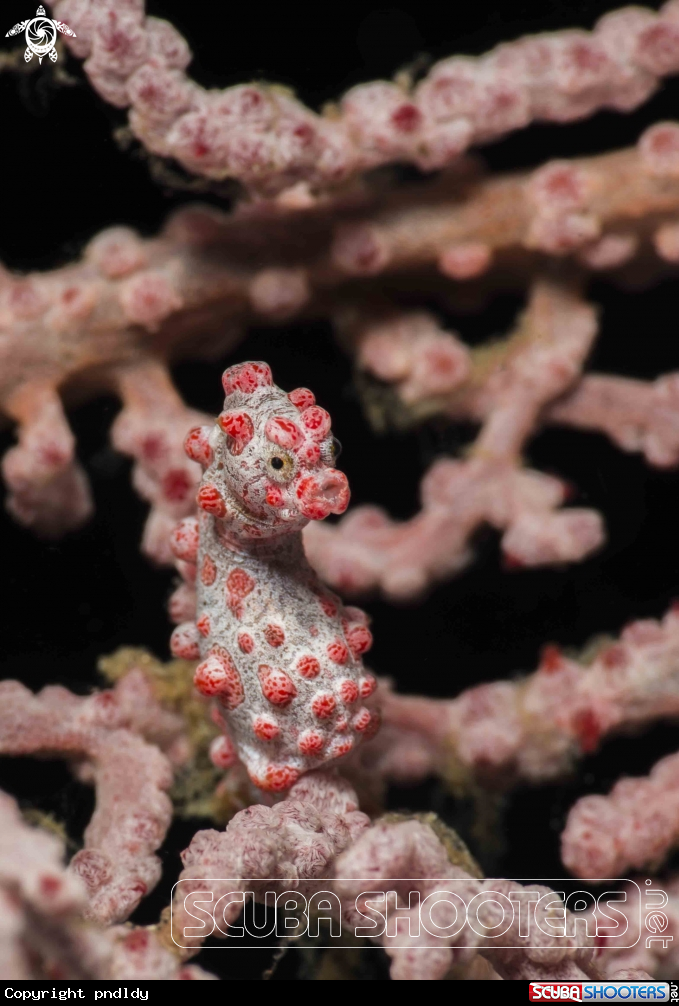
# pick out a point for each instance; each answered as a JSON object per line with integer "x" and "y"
{"x": 280, "y": 653}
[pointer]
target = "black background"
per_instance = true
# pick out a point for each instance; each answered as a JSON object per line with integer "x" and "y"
{"x": 63, "y": 178}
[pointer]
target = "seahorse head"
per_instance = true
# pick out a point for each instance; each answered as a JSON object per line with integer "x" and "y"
{"x": 269, "y": 459}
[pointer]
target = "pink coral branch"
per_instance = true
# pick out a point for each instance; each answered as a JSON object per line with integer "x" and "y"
{"x": 131, "y": 776}
{"x": 636, "y": 825}
{"x": 511, "y": 387}
{"x": 636, "y": 415}
{"x": 151, "y": 428}
{"x": 317, "y": 832}
{"x": 410, "y": 849}
{"x": 507, "y": 392}
{"x": 297, "y": 838}
{"x": 44, "y": 933}
{"x": 48, "y": 488}
{"x": 264, "y": 137}
{"x": 535, "y": 727}
{"x": 413, "y": 352}
{"x": 41, "y": 902}
{"x": 565, "y": 207}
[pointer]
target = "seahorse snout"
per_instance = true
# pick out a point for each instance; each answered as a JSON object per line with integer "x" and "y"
{"x": 323, "y": 494}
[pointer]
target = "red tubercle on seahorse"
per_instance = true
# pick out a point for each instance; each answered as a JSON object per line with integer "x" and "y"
{"x": 238, "y": 427}
{"x": 197, "y": 447}
{"x": 302, "y": 398}
{"x": 277, "y": 686}
{"x": 209, "y": 499}
{"x": 239, "y": 584}
{"x": 208, "y": 572}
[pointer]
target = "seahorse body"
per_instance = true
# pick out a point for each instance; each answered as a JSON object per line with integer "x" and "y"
{"x": 279, "y": 652}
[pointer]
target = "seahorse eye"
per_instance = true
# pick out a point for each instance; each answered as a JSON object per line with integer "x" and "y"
{"x": 281, "y": 466}
{"x": 336, "y": 448}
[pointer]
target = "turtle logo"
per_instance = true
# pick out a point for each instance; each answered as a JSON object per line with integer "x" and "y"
{"x": 41, "y": 34}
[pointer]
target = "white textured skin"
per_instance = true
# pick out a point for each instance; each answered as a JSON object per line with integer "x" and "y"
{"x": 259, "y": 547}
